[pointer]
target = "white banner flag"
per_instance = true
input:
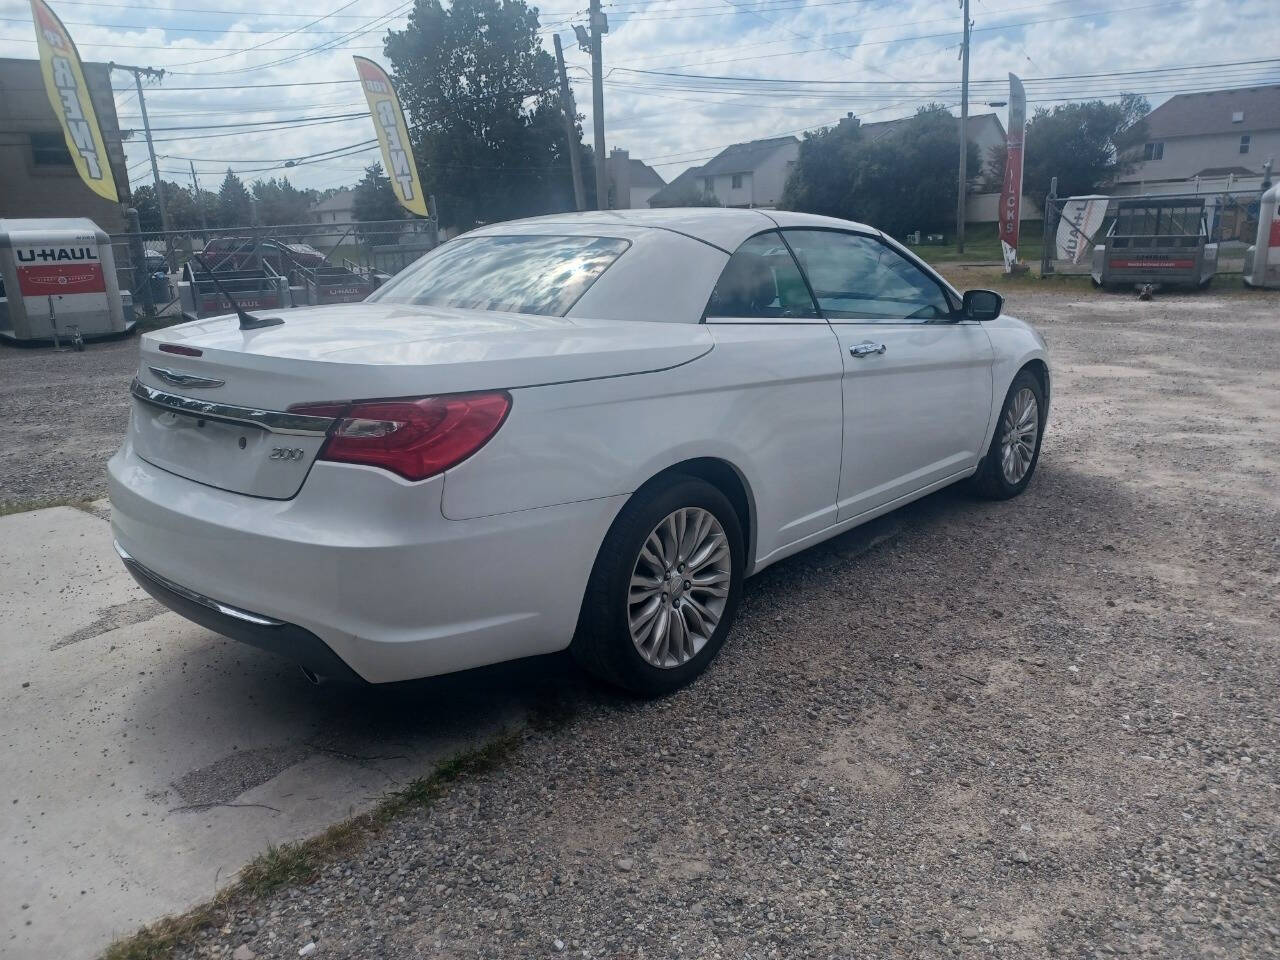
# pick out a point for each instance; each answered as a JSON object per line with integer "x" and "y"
{"x": 1081, "y": 218}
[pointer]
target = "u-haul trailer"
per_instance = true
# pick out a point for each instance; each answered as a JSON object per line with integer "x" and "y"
{"x": 1163, "y": 241}
{"x": 58, "y": 281}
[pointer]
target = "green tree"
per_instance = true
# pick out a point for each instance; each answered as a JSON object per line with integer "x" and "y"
{"x": 179, "y": 205}
{"x": 234, "y": 208}
{"x": 487, "y": 128}
{"x": 1087, "y": 146}
{"x": 207, "y": 203}
{"x": 280, "y": 202}
{"x": 374, "y": 200}
{"x": 900, "y": 182}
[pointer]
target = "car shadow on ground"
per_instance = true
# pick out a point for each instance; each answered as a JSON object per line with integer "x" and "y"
{"x": 552, "y": 683}
{"x": 398, "y": 728}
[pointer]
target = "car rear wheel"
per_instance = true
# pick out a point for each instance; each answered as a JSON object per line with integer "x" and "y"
{"x": 664, "y": 590}
{"x": 1015, "y": 447}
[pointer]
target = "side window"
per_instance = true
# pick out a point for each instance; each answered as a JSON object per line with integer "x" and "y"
{"x": 857, "y": 277}
{"x": 761, "y": 280}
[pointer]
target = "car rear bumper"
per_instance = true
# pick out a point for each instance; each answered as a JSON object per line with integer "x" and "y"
{"x": 363, "y": 564}
{"x": 285, "y": 639}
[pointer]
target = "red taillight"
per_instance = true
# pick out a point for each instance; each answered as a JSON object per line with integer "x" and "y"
{"x": 413, "y": 438}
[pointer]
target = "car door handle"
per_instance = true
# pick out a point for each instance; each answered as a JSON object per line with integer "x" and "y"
{"x": 866, "y": 349}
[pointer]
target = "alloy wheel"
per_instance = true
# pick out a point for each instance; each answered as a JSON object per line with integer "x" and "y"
{"x": 1021, "y": 426}
{"x": 679, "y": 587}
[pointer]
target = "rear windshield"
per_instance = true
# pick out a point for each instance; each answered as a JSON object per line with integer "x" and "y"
{"x": 522, "y": 274}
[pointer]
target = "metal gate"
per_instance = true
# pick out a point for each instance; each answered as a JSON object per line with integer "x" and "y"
{"x": 1073, "y": 226}
{"x": 320, "y": 263}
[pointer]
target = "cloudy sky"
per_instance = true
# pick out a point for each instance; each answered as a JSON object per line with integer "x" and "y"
{"x": 253, "y": 89}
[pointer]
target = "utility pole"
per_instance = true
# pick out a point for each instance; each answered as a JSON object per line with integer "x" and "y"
{"x": 151, "y": 149}
{"x": 599, "y": 26}
{"x": 195, "y": 186}
{"x": 962, "y": 194}
{"x": 566, "y": 103}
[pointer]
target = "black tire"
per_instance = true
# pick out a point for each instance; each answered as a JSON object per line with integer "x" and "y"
{"x": 990, "y": 481}
{"x": 602, "y": 643}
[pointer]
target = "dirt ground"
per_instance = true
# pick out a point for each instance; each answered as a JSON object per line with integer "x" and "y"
{"x": 1046, "y": 726}
{"x": 62, "y": 416}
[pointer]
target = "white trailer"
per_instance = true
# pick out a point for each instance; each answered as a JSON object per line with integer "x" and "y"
{"x": 1262, "y": 260}
{"x": 58, "y": 280}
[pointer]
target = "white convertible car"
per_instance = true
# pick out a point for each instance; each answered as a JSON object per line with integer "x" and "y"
{"x": 575, "y": 431}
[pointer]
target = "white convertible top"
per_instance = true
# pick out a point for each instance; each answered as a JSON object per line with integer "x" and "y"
{"x": 723, "y": 227}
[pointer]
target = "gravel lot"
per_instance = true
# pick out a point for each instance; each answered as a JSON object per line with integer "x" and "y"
{"x": 1047, "y": 726}
{"x": 63, "y": 417}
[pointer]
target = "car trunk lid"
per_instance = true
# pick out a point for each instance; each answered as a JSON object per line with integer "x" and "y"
{"x": 209, "y": 396}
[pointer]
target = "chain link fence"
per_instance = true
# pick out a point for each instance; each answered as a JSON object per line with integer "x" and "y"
{"x": 172, "y": 274}
{"x": 1073, "y": 226}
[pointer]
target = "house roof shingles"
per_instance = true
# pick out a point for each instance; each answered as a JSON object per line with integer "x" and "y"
{"x": 676, "y": 187}
{"x": 643, "y": 175}
{"x": 1199, "y": 114}
{"x": 743, "y": 157}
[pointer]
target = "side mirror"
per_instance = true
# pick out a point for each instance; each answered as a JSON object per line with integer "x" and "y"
{"x": 981, "y": 305}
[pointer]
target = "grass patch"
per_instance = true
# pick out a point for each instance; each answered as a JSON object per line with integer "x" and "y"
{"x": 80, "y": 502}
{"x": 292, "y": 864}
{"x": 982, "y": 243}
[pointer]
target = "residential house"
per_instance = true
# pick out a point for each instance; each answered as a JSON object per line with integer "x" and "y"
{"x": 1207, "y": 141}
{"x": 984, "y": 130}
{"x": 631, "y": 182}
{"x": 680, "y": 191}
{"x": 744, "y": 175}
{"x": 39, "y": 178}
{"x": 338, "y": 207}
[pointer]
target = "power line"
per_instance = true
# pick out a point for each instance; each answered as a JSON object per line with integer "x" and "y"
{"x": 246, "y": 110}
{"x": 262, "y": 123}
{"x": 208, "y": 11}
{"x": 311, "y": 51}
{"x": 930, "y": 36}
{"x": 176, "y": 29}
{"x": 257, "y": 46}
{"x": 245, "y": 133}
{"x": 1251, "y": 77}
{"x": 280, "y": 160}
{"x": 231, "y": 86}
{"x": 170, "y": 47}
{"x": 860, "y": 31}
{"x": 994, "y": 80}
{"x": 247, "y": 86}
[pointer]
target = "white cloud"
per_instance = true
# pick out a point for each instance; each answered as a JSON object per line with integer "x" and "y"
{"x": 647, "y": 115}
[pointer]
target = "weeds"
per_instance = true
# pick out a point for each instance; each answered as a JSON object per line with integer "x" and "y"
{"x": 80, "y": 502}
{"x": 292, "y": 864}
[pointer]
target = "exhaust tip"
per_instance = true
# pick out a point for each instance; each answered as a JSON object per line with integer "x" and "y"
{"x": 312, "y": 677}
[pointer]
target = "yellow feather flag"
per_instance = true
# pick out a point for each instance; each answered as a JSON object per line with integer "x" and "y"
{"x": 69, "y": 95}
{"x": 393, "y": 134}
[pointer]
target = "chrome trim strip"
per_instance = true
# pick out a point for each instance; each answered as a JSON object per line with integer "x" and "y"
{"x": 224, "y": 608}
{"x": 293, "y": 424}
{"x": 176, "y": 378}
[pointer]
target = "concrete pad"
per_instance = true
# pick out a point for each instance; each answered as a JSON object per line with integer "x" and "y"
{"x": 148, "y": 759}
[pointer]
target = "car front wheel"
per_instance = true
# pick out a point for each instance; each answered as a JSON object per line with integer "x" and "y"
{"x": 1015, "y": 447}
{"x": 664, "y": 590}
